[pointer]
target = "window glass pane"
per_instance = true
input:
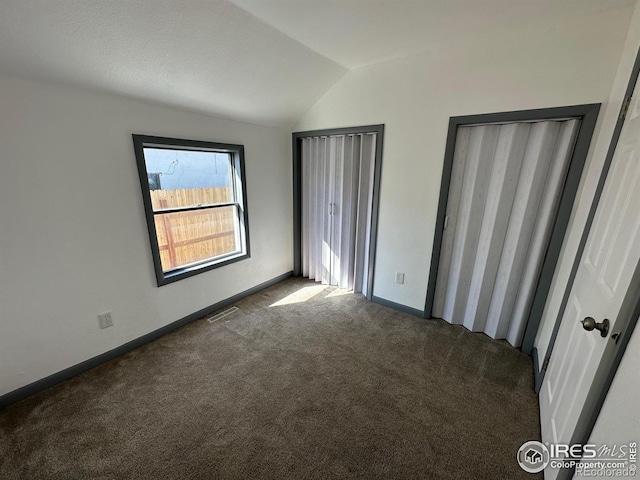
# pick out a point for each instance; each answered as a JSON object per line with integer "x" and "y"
{"x": 185, "y": 178}
{"x": 195, "y": 236}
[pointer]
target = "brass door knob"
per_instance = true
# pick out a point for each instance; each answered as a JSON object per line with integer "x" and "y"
{"x": 589, "y": 324}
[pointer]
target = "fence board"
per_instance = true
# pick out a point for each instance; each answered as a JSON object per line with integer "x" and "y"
{"x": 187, "y": 197}
{"x": 193, "y": 236}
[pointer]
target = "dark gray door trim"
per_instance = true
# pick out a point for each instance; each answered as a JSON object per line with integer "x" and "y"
{"x": 592, "y": 212}
{"x": 588, "y": 114}
{"x": 297, "y": 193}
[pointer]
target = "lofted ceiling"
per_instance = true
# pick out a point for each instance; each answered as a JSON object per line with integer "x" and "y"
{"x": 205, "y": 55}
{"x": 355, "y": 33}
{"x": 261, "y": 61}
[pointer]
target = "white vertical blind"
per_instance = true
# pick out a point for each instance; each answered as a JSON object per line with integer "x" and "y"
{"x": 337, "y": 192}
{"x": 505, "y": 190}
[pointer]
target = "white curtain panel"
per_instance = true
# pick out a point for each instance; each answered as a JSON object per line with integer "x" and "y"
{"x": 337, "y": 192}
{"x": 504, "y": 195}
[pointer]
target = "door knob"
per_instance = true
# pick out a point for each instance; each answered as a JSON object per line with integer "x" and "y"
{"x": 590, "y": 324}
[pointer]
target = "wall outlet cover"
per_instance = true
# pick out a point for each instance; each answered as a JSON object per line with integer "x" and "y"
{"x": 105, "y": 320}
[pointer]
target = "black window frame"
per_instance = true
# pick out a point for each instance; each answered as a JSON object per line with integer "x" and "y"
{"x": 238, "y": 178}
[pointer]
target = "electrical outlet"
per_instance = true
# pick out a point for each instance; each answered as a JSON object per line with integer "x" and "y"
{"x": 400, "y": 278}
{"x": 105, "y": 320}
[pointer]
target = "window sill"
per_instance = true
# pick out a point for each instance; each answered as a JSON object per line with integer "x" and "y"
{"x": 184, "y": 272}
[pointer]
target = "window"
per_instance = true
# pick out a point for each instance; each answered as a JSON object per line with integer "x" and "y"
{"x": 194, "y": 197}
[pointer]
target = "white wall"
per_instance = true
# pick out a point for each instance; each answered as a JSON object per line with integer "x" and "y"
{"x": 531, "y": 66}
{"x": 73, "y": 237}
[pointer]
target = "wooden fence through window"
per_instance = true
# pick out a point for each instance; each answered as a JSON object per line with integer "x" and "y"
{"x": 196, "y": 235}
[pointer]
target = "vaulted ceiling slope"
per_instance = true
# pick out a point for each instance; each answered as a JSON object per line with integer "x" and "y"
{"x": 203, "y": 55}
{"x": 355, "y": 33}
{"x": 260, "y": 61}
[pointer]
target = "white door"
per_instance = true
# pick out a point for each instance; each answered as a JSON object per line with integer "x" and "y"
{"x": 610, "y": 257}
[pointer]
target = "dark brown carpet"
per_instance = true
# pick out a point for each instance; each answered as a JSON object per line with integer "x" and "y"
{"x": 332, "y": 387}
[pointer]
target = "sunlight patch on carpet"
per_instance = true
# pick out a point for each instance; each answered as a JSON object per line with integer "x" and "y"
{"x": 339, "y": 292}
{"x": 300, "y": 296}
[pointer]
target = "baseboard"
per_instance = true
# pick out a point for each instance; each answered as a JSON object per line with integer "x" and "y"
{"x": 399, "y": 307}
{"x": 47, "y": 382}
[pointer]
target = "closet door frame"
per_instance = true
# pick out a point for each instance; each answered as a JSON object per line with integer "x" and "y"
{"x": 297, "y": 193}
{"x": 588, "y": 115}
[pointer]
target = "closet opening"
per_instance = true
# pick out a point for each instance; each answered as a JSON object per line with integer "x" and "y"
{"x": 336, "y": 186}
{"x": 508, "y": 186}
